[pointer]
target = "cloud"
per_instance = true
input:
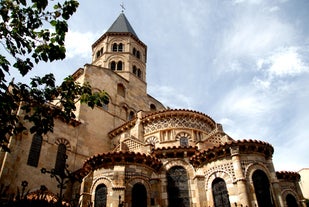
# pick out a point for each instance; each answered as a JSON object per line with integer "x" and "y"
{"x": 78, "y": 44}
{"x": 284, "y": 62}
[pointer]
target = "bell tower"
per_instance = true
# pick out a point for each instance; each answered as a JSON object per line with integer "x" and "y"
{"x": 120, "y": 50}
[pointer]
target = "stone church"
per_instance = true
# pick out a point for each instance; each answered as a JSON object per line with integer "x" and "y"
{"x": 135, "y": 152}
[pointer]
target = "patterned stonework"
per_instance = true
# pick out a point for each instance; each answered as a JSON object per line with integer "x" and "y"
{"x": 185, "y": 122}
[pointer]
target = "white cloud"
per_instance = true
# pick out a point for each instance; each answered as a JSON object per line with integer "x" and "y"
{"x": 78, "y": 44}
{"x": 285, "y": 61}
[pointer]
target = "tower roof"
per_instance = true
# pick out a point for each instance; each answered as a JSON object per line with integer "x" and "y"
{"x": 122, "y": 25}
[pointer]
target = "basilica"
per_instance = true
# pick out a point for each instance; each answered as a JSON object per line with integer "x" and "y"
{"x": 135, "y": 152}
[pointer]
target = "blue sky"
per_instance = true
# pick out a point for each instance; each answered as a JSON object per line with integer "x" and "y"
{"x": 245, "y": 63}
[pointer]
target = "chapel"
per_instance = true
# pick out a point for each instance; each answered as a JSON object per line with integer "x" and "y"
{"x": 135, "y": 152}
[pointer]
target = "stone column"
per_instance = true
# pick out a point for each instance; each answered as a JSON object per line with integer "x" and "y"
{"x": 200, "y": 193}
{"x": 240, "y": 177}
{"x": 119, "y": 185}
{"x": 85, "y": 194}
{"x": 275, "y": 183}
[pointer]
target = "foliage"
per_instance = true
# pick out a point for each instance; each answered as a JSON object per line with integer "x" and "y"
{"x": 32, "y": 31}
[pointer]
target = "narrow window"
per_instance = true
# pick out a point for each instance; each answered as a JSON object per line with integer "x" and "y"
{"x": 113, "y": 65}
{"x": 139, "y": 73}
{"x": 114, "y": 47}
{"x": 220, "y": 193}
{"x": 119, "y": 65}
{"x": 35, "y": 149}
{"x": 134, "y": 51}
{"x": 100, "y": 196}
{"x": 134, "y": 70}
{"x": 262, "y": 189}
{"x": 131, "y": 115}
{"x": 138, "y": 55}
{"x": 121, "y": 90}
{"x": 120, "y": 47}
{"x": 61, "y": 159}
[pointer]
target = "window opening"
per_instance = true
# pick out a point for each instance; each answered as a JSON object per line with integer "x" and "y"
{"x": 114, "y": 47}
{"x": 35, "y": 150}
{"x": 131, "y": 115}
{"x": 262, "y": 189}
{"x": 60, "y": 159}
{"x": 183, "y": 141}
{"x": 291, "y": 201}
{"x": 220, "y": 193}
{"x": 100, "y": 196}
{"x": 139, "y": 73}
{"x": 153, "y": 107}
{"x": 139, "y": 195}
{"x": 134, "y": 70}
{"x": 119, "y": 65}
{"x": 177, "y": 187}
{"x": 113, "y": 65}
{"x": 120, "y": 47}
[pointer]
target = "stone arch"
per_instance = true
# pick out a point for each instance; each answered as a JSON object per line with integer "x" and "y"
{"x": 183, "y": 137}
{"x": 252, "y": 167}
{"x": 101, "y": 180}
{"x": 130, "y": 185}
{"x": 178, "y": 163}
{"x": 226, "y": 176}
{"x": 63, "y": 141}
{"x": 153, "y": 140}
{"x": 182, "y": 163}
{"x": 249, "y": 171}
{"x": 219, "y": 174}
{"x": 287, "y": 192}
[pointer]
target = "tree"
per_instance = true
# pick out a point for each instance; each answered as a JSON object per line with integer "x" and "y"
{"x": 32, "y": 31}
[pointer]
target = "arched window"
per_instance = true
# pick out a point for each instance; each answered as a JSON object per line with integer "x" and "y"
{"x": 113, "y": 65}
{"x": 120, "y": 47}
{"x": 61, "y": 159}
{"x": 183, "y": 141}
{"x": 220, "y": 193}
{"x": 114, "y": 47}
{"x": 131, "y": 115}
{"x": 138, "y": 55}
{"x": 119, "y": 65}
{"x": 134, "y": 70}
{"x": 262, "y": 189}
{"x": 177, "y": 187}
{"x": 35, "y": 149}
{"x": 139, "y": 73}
{"x": 100, "y": 196}
{"x": 121, "y": 90}
{"x": 99, "y": 52}
{"x": 139, "y": 195}
{"x": 291, "y": 201}
{"x": 134, "y": 51}
{"x": 153, "y": 107}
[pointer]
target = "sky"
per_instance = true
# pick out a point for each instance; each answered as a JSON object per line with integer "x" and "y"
{"x": 245, "y": 63}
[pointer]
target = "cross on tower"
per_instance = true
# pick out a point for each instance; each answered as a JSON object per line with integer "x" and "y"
{"x": 122, "y": 6}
